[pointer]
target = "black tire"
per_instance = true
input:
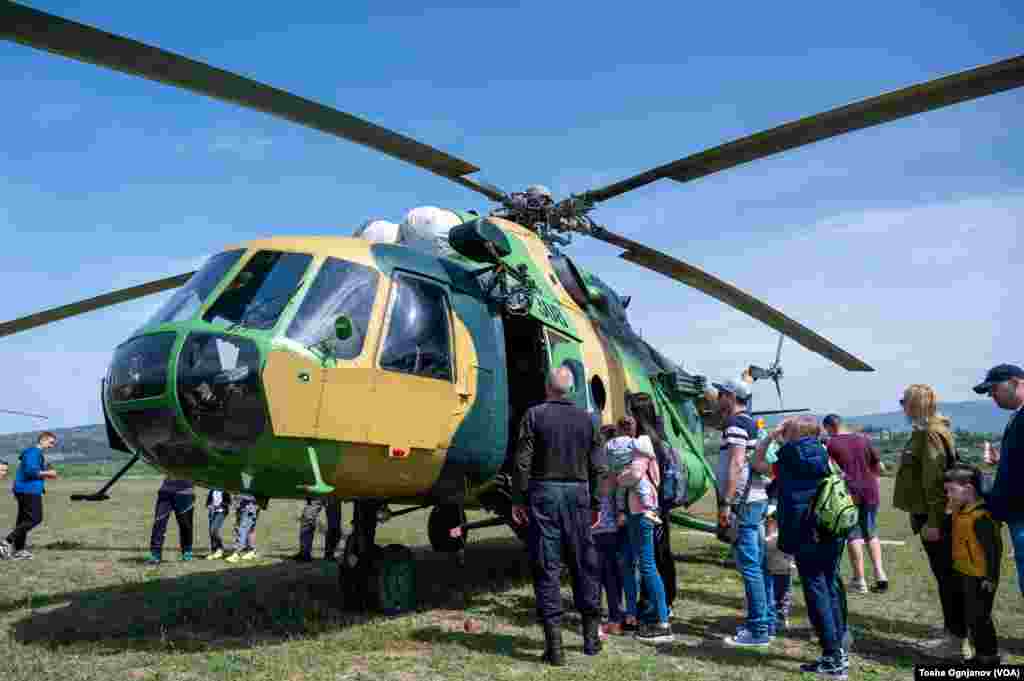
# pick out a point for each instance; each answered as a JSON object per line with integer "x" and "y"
{"x": 351, "y": 578}
{"x": 442, "y": 519}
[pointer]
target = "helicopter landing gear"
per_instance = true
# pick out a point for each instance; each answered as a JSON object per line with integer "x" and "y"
{"x": 373, "y": 577}
{"x": 443, "y": 519}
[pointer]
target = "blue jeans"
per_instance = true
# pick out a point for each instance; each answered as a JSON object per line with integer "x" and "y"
{"x": 640, "y": 552}
{"x": 749, "y": 552}
{"x": 216, "y": 518}
{"x": 818, "y": 566}
{"x": 1017, "y": 539}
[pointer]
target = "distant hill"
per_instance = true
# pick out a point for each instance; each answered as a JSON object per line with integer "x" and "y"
{"x": 976, "y": 416}
{"x": 81, "y": 444}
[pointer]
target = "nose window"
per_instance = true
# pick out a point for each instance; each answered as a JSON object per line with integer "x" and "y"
{"x": 139, "y": 369}
{"x": 219, "y": 390}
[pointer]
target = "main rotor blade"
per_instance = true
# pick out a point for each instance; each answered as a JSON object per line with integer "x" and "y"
{"x": 488, "y": 190}
{"x": 88, "y": 305}
{"x": 23, "y": 413}
{"x": 934, "y": 94}
{"x": 732, "y": 296}
{"x": 77, "y": 41}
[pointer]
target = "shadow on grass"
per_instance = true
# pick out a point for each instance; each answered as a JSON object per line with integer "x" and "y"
{"x": 79, "y": 546}
{"x": 489, "y": 642}
{"x": 871, "y": 640}
{"x": 233, "y": 607}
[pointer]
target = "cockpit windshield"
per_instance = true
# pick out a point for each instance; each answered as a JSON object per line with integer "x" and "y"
{"x": 258, "y": 294}
{"x": 341, "y": 288}
{"x": 187, "y": 300}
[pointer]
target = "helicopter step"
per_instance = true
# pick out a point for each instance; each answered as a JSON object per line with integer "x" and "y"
{"x": 377, "y": 578}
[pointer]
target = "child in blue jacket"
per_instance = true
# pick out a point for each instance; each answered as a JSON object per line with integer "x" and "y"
{"x": 29, "y": 487}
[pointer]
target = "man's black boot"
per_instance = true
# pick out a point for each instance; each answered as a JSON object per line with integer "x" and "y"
{"x": 553, "y": 644}
{"x": 591, "y": 635}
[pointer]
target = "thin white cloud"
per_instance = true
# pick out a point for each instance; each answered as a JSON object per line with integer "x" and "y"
{"x": 245, "y": 147}
{"x": 920, "y": 293}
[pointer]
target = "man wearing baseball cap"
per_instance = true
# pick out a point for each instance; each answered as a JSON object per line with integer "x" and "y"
{"x": 743, "y": 499}
{"x": 1005, "y": 383}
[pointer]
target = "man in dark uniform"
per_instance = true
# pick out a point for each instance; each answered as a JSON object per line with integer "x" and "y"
{"x": 559, "y": 466}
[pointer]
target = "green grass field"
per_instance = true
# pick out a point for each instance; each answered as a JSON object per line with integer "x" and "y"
{"x": 87, "y": 608}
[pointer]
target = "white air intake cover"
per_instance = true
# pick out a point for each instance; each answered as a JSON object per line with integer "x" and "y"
{"x": 426, "y": 229}
{"x": 378, "y": 232}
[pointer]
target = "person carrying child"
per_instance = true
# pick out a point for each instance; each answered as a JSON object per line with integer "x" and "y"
{"x": 640, "y": 482}
{"x": 218, "y": 504}
{"x": 778, "y": 570}
{"x": 246, "y": 513}
{"x": 977, "y": 554}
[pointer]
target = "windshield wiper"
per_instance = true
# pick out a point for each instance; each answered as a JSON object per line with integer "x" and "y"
{"x": 259, "y": 306}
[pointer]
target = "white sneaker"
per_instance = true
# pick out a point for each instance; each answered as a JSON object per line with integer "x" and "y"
{"x": 859, "y": 586}
{"x": 5, "y": 550}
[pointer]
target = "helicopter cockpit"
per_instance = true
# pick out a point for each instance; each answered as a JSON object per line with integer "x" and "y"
{"x": 188, "y": 389}
{"x": 215, "y": 349}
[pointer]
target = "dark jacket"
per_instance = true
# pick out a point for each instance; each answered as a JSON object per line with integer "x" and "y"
{"x": 919, "y": 482}
{"x": 558, "y": 442}
{"x": 1005, "y": 501}
{"x": 802, "y": 465}
{"x": 27, "y": 479}
{"x": 225, "y": 500}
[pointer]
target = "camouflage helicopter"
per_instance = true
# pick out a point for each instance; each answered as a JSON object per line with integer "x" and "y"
{"x": 388, "y": 374}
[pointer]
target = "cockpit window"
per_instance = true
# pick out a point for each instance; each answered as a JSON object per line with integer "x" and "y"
{"x": 340, "y": 288}
{"x": 187, "y": 300}
{"x": 418, "y": 339}
{"x": 258, "y": 294}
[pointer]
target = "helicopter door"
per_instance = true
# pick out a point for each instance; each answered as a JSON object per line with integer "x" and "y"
{"x": 564, "y": 351}
{"x": 416, "y": 390}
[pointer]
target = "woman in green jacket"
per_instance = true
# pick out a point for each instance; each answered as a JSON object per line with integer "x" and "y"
{"x": 919, "y": 491}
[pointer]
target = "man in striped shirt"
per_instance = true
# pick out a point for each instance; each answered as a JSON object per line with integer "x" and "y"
{"x": 746, "y": 507}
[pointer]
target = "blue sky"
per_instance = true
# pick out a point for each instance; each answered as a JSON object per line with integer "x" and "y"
{"x": 899, "y": 243}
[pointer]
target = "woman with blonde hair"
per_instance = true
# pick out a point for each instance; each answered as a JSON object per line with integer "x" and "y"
{"x": 919, "y": 491}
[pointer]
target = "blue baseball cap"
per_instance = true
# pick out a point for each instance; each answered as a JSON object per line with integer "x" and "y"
{"x": 996, "y": 375}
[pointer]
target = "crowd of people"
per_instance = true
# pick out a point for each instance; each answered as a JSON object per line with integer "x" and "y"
{"x": 591, "y": 499}
{"x": 175, "y": 496}
{"x": 769, "y": 487}
{"x": 178, "y": 496}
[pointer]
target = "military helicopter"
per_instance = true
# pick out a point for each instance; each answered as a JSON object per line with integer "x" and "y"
{"x": 391, "y": 375}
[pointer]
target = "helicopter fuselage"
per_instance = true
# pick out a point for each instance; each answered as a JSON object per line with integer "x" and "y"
{"x": 239, "y": 382}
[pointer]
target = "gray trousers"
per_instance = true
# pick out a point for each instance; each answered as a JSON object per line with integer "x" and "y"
{"x": 245, "y": 524}
{"x": 307, "y": 525}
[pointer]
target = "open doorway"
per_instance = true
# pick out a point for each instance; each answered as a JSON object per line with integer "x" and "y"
{"x": 526, "y": 354}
